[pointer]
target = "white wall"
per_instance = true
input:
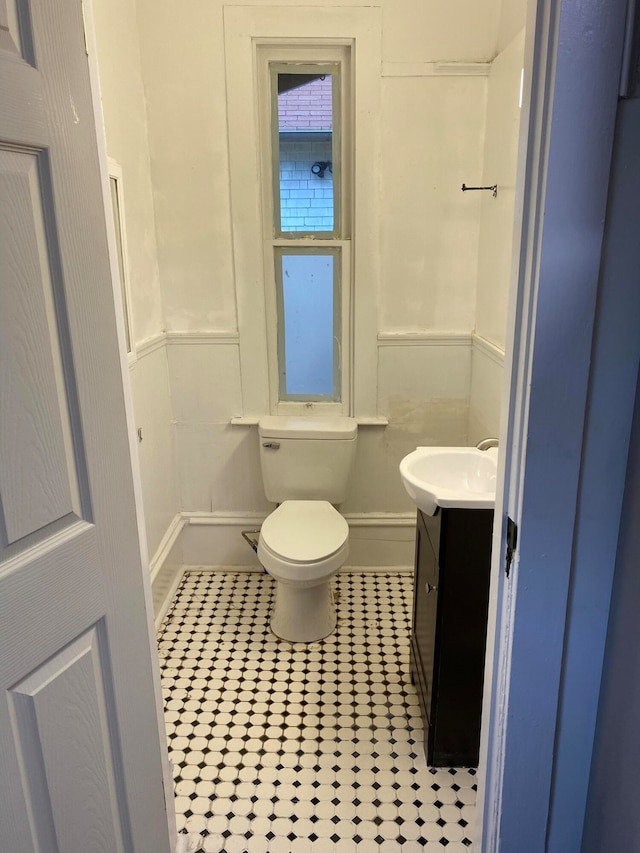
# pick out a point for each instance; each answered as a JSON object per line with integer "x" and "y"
{"x": 432, "y": 133}
{"x": 513, "y": 14}
{"x": 153, "y": 411}
{"x": 432, "y": 129}
{"x": 423, "y": 389}
{"x": 433, "y": 31}
{"x": 496, "y": 231}
{"x": 485, "y": 396}
{"x": 124, "y": 111}
{"x": 218, "y": 464}
{"x": 500, "y": 155}
{"x": 184, "y": 73}
{"x": 166, "y": 116}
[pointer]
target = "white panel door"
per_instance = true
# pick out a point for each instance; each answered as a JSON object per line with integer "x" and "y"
{"x": 80, "y": 755}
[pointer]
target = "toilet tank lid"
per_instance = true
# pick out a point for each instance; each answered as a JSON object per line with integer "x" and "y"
{"x": 272, "y": 426}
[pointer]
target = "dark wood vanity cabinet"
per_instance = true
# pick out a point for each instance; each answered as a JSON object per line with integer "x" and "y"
{"x": 450, "y": 603}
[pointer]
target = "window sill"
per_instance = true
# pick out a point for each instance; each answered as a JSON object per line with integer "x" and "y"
{"x": 362, "y": 422}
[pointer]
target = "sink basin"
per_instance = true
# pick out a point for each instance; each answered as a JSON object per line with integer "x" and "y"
{"x": 462, "y": 477}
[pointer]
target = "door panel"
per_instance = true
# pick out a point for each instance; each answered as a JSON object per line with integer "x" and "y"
{"x": 15, "y": 29}
{"x": 77, "y": 747}
{"x": 80, "y": 726}
{"x": 38, "y": 481}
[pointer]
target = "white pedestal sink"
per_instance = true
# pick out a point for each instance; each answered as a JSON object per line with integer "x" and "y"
{"x": 462, "y": 477}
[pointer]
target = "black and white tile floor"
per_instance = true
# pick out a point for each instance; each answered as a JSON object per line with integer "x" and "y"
{"x": 295, "y": 748}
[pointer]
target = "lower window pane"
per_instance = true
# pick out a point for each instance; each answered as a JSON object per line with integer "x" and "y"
{"x": 307, "y": 326}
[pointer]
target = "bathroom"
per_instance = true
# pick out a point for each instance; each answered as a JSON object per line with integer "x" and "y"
{"x": 436, "y": 105}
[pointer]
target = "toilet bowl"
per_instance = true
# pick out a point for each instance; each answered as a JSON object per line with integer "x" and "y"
{"x": 306, "y": 464}
{"x": 302, "y": 545}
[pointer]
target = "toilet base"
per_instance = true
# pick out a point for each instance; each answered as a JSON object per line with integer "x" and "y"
{"x": 303, "y": 614}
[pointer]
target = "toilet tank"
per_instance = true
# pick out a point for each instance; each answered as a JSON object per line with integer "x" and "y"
{"x": 307, "y": 458}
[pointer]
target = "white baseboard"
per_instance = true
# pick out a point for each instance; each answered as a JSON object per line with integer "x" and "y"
{"x": 366, "y": 570}
{"x": 377, "y": 540}
{"x": 258, "y": 570}
{"x": 212, "y": 541}
{"x": 167, "y": 545}
{"x": 166, "y": 568}
{"x": 168, "y": 595}
{"x": 378, "y": 570}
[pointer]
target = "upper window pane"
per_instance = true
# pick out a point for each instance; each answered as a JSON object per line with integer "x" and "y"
{"x": 304, "y": 198}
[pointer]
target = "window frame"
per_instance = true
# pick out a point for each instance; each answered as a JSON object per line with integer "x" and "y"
{"x": 270, "y": 60}
{"x": 359, "y": 30}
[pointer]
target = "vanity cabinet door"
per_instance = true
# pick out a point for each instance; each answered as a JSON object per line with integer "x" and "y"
{"x": 425, "y": 608}
{"x": 450, "y": 602}
{"x": 463, "y": 596}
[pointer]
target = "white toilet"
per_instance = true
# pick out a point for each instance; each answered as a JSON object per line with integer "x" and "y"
{"x": 306, "y": 464}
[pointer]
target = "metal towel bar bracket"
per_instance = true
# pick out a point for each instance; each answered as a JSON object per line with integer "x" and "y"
{"x": 494, "y": 189}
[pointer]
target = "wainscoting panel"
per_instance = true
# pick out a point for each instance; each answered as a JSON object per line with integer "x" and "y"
{"x": 487, "y": 369}
{"x": 214, "y": 539}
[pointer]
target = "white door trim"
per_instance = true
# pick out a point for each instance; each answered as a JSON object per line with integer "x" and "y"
{"x": 568, "y": 127}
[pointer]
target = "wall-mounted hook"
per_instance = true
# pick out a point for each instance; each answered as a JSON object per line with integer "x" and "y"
{"x": 494, "y": 189}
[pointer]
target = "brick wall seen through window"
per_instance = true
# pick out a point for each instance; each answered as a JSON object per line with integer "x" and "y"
{"x": 304, "y": 120}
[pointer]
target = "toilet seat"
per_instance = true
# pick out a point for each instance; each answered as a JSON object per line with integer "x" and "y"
{"x": 303, "y": 542}
{"x": 304, "y": 531}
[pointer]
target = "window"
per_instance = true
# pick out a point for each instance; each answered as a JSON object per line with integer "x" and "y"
{"x": 117, "y": 208}
{"x": 348, "y": 39}
{"x": 306, "y": 227}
